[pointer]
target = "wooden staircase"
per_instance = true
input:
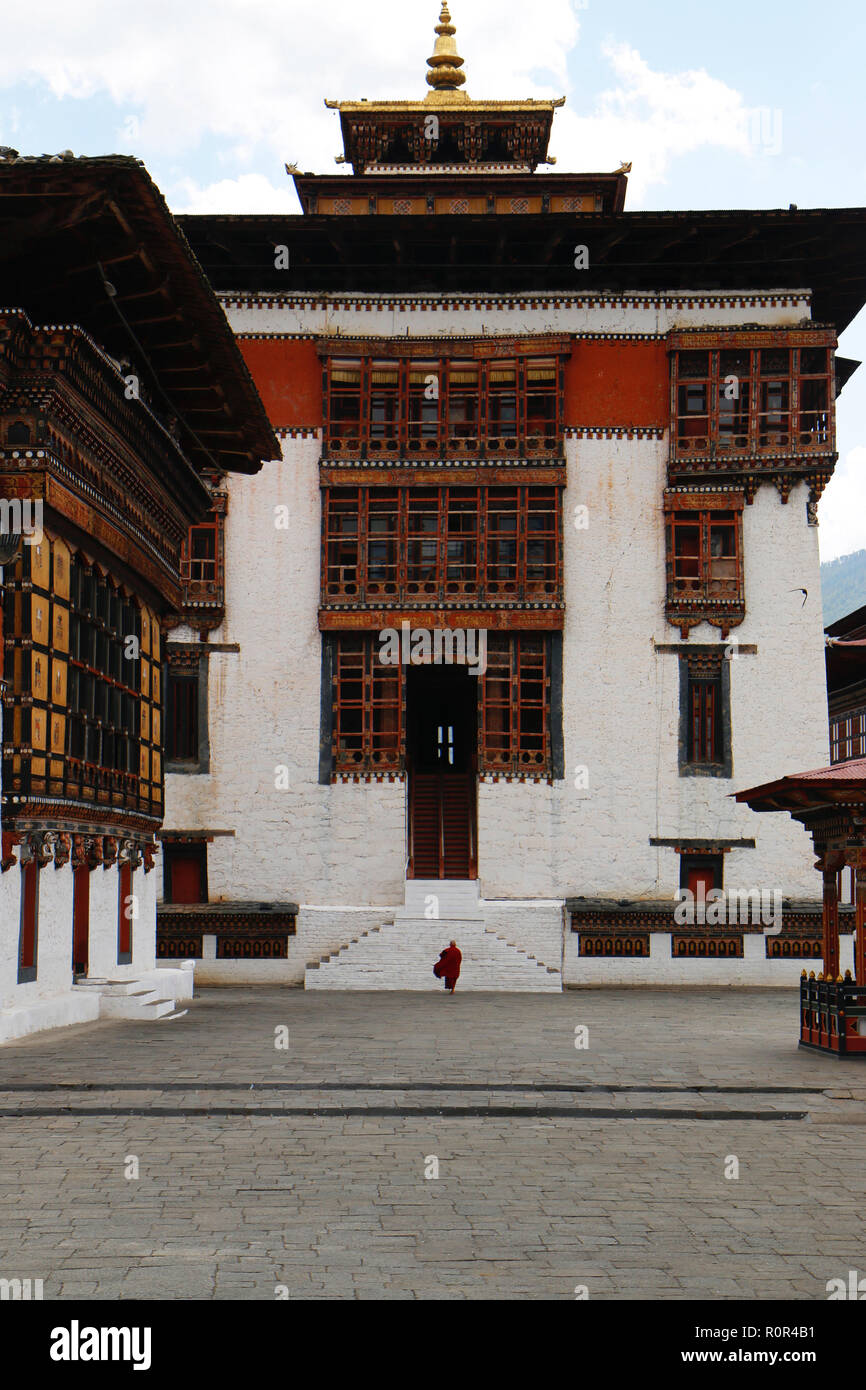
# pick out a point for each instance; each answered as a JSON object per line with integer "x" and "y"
{"x": 442, "y": 825}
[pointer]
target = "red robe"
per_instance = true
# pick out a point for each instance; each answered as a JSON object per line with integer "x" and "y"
{"x": 449, "y": 965}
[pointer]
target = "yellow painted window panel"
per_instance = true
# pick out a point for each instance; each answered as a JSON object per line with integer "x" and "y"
{"x": 58, "y": 683}
{"x": 61, "y": 570}
{"x": 58, "y": 734}
{"x": 61, "y": 629}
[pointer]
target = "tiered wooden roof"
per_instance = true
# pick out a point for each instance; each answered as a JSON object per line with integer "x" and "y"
{"x": 91, "y": 242}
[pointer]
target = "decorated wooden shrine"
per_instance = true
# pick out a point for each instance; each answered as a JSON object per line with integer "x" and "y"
{"x": 830, "y": 804}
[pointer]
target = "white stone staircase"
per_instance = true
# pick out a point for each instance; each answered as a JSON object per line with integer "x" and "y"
{"x": 130, "y": 999}
{"x": 401, "y": 954}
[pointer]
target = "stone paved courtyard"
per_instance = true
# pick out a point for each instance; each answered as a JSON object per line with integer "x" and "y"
{"x": 303, "y": 1168}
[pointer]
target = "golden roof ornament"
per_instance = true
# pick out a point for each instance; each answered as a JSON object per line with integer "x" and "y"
{"x": 444, "y": 73}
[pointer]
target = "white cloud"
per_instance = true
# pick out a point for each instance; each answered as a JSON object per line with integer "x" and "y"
{"x": 651, "y": 118}
{"x": 252, "y": 71}
{"x": 842, "y": 508}
{"x": 251, "y": 193}
{"x": 253, "y": 75}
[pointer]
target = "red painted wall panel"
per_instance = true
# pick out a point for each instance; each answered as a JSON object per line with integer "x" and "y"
{"x": 606, "y": 383}
{"x": 617, "y": 384}
{"x": 288, "y": 375}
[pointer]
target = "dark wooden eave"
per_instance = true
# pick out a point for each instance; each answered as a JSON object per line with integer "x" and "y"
{"x": 822, "y": 249}
{"x": 60, "y": 219}
{"x": 825, "y": 788}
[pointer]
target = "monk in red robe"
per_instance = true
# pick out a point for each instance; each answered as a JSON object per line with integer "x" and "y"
{"x": 448, "y": 965}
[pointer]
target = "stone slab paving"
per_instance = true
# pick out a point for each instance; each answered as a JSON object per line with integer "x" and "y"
{"x": 306, "y": 1189}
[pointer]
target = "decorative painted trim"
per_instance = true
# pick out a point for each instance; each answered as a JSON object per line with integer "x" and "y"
{"x": 298, "y": 431}
{"x": 380, "y": 473}
{"x": 603, "y": 299}
{"x": 394, "y": 776}
{"x": 81, "y": 849}
{"x": 216, "y": 917}
{"x": 501, "y": 617}
{"x": 49, "y": 813}
{"x": 423, "y": 464}
{"x": 712, "y": 944}
{"x": 491, "y": 778}
{"x": 614, "y": 432}
{"x": 620, "y": 946}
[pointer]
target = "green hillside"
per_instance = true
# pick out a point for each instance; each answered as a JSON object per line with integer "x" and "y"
{"x": 843, "y": 585}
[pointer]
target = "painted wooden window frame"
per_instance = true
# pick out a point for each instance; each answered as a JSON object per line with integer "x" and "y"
{"x": 701, "y": 670}
{"x": 750, "y": 401}
{"x": 380, "y": 407}
{"x": 515, "y": 724}
{"x": 368, "y": 709}
{"x": 441, "y": 544}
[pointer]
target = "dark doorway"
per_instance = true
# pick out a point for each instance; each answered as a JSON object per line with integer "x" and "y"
{"x": 80, "y": 920}
{"x": 185, "y": 872}
{"x": 441, "y": 746}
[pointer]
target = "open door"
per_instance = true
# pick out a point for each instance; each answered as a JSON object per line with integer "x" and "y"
{"x": 442, "y": 720}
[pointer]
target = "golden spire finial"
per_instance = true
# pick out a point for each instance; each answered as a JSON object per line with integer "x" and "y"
{"x": 445, "y": 63}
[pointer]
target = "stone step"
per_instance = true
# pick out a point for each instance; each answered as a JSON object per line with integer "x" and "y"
{"x": 401, "y": 955}
{"x": 455, "y": 898}
{"x": 143, "y": 1003}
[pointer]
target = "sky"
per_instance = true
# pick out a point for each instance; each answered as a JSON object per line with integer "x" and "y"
{"x": 749, "y": 103}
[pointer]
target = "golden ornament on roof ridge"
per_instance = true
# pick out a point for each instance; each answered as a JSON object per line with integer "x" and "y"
{"x": 445, "y": 62}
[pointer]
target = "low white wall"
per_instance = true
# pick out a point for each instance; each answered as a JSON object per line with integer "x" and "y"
{"x": 660, "y": 968}
{"x": 60, "y": 1012}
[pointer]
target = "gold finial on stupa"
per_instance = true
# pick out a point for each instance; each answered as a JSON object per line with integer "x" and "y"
{"x": 444, "y": 73}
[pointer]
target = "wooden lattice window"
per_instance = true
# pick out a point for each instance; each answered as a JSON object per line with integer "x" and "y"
{"x": 344, "y": 413}
{"x": 385, "y": 405}
{"x": 440, "y": 544}
{"x": 848, "y": 736}
{"x": 441, "y": 405}
{"x": 733, "y": 393}
{"x": 199, "y": 560}
{"x": 705, "y": 715}
{"x": 367, "y": 710}
{"x": 540, "y": 397}
{"x": 423, "y": 543}
{"x": 752, "y": 400}
{"x": 182, "y": 722}
{"x": 383, "y": 542}
{"x": 104, "y": 681}
{"x": 502, "y": 404}
{"x": 462, "y": 518}
{"x": 814, "y": 423}
{"x": 424, "y": 401}
{"x": 515, "y": 725}
{"x": 774, "y": 398}
{"x": 705, "y": 556}
{"x": 464, "y": 404}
